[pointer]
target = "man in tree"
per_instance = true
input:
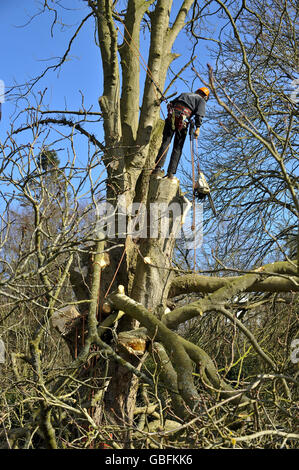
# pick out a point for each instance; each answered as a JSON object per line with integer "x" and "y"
{"x": 180, "y": 111}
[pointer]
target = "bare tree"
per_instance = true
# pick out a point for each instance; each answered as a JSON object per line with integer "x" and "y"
{"x": 251, "y": 151}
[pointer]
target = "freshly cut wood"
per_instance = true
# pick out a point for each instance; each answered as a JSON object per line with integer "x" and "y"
{"x": 63, "y": 319}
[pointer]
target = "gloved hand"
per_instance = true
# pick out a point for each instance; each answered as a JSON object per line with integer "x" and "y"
{"x": 199, "y": 195}
{"x": 196, "y": 132}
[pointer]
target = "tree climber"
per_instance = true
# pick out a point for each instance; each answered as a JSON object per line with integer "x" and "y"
{"x": 180, "y": 110}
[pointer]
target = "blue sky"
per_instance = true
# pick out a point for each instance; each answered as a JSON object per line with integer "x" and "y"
{"x": 27, "y": 50}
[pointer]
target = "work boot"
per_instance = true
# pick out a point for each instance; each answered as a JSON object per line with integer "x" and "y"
{"x": 158, "y": 172}
{"x": 170, "y": 176}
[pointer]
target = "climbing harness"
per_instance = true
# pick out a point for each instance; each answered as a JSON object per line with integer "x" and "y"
{"x": 179, "y": 116}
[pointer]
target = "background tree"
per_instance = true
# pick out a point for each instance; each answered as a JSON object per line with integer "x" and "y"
{"x": 251, "y": 151}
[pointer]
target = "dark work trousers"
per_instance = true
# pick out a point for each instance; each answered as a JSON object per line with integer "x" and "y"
{"x": 178, "y": 144}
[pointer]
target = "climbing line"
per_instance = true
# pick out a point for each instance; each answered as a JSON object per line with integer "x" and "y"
{"x": 165, "y": 151}
{"x": 145, "y": 66}
{"x": 193, "y": 192}
{"x": 146, "y": 69}
{"x": 198, "y": 166}
{"x": 116, "y": 271}
{"x": 141, "y": 60}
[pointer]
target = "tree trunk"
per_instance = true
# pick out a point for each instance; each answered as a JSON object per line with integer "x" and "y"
{"x": 142, "y": 264}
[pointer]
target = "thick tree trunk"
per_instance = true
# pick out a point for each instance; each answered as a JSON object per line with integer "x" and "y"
{"x": 151, "y": 276}
{"x": 142, "y": 264}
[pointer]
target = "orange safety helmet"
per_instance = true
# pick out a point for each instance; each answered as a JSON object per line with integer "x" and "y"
{"x": 204, "y": 90}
